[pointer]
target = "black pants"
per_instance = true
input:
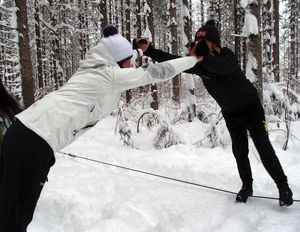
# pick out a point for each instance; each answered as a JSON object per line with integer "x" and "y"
{"x": 253, "y": 119}
{"x": 24, "y": 165}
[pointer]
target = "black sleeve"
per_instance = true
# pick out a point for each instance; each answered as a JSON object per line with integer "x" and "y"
{"x": 160, "y": 56}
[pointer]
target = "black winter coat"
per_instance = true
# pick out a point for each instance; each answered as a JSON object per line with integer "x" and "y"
{"x": 222, "y": 77}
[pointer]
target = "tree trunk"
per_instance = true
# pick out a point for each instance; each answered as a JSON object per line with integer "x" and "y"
{"x": 127, "y": 34}
{"x": 237, "y": 29}
{"x": 122, "y": 20}
{"x": 83, "y": 26}
{"x": 244, "y": 54}
{"x": 276, "y": 42}
{"x": 202, "y": 12}
{"x": 127, "y": 20}
{"x": 138, "y": 18}
{"x": 103, "y": 13}
{"x": 255, "y": 48}
{"x": 267, "y": 25}
{"x": 174, "y": 47}
{"x": 213, "y": 9}
{"x": 55, "y": 71}
{"x": 293, "y": 38}
{"x": 25, "y": 55}
{"x": 219, "y": 18}
{"x": 138, "y": 28}
{"x": 150, "y": 22}
{"x": 190, "y": 85}
{"x": 298, "y": 41}
{"x": 117, "y": 15}
{"x": 110, "y": 12}
{"x": 39, "y": 48}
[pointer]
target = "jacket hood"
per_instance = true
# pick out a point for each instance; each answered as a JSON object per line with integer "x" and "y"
{"x": 97, "y": 56}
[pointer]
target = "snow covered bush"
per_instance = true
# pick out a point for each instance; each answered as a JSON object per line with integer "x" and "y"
{"x": 122, "y": 126}
{"x": 165, "y": 137}
{"x": 281, "y": 103}
{"x": 125, "y": 134}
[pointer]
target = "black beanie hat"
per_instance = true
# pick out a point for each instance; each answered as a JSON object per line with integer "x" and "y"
{"x": 209, "y": 32}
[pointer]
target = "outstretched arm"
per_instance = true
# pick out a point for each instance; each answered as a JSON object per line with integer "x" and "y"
{"x": 131, "y": 77}
{"x": 160, "y": 56}
{"x": 156, "y": 54}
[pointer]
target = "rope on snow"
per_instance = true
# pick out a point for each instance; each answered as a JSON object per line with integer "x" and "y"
{"x": 165, "y": 177}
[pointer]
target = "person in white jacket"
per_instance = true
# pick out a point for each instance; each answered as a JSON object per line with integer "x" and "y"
{"x": 56, "y": 120}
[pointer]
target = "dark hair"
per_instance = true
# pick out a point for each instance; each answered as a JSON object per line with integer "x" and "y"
{"x": 202, "y": 48}
{"x": 8, "y": 103}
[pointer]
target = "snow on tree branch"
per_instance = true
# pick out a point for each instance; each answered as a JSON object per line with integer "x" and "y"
{"x": 250, "y": 25}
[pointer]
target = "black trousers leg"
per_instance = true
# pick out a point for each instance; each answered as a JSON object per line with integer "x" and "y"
{"x": 24, "y": 165}
{"x": 266, "y": 152}
{"x": 238, "y": 134}
{"x": 253, "y": 119}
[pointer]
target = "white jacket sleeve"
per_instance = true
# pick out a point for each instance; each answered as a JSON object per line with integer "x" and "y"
{"x": 128, "y": 78}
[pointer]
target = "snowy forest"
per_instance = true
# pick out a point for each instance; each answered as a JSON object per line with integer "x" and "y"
{"x": 42, "y": 43}
{"x": 162, "y": 161}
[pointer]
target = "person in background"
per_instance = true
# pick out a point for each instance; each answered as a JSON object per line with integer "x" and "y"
{"x": 240, "y": 104}
{"x": 60, "y": 117}
{"x": 8, "y": 108}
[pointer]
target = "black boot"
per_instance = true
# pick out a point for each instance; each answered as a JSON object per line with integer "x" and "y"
{"x": 244, "y": 193}
{"x": 285, "y": 196}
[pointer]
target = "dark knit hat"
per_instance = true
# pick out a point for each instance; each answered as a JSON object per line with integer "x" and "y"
{"x": 209, "y": 32}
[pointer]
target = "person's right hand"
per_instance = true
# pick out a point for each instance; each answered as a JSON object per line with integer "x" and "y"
{"x": 142, "y": 43}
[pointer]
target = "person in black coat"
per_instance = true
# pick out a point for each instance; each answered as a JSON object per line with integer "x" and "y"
{"x": 8, "y": 108}
{"x": 240, "y": 104}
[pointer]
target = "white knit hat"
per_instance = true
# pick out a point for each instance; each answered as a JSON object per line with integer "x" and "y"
{"x": 118, "y": 47}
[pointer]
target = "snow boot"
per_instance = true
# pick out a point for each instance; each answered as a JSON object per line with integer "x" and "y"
{"x": 285, "y": 196}
{"x": 244, "y": 193}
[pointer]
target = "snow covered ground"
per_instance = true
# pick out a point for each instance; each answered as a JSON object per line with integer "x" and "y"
{"x": 82, "y": 196}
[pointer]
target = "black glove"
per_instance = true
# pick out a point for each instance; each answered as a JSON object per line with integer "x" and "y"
{"x": 202, "y": 48}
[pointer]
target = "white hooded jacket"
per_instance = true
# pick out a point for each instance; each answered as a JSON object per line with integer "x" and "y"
{"x": 91, "y": 94}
